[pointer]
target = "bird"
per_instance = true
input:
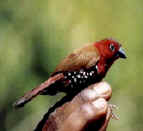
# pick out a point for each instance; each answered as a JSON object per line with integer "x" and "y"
{"x": 78, "y": 70}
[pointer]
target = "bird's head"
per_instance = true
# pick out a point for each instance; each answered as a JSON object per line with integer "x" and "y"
{"x": 110, "y": 49}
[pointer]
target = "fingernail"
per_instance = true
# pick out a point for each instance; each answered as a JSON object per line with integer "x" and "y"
{"x": 99, "y": 103}
{"x": 102, "y": 88}
{"x": 89, "y": 94}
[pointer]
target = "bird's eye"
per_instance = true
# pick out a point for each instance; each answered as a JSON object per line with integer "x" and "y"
{"x": 112, "y": 48}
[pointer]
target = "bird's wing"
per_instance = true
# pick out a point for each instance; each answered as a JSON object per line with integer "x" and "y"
{"x": 82, "y": 58}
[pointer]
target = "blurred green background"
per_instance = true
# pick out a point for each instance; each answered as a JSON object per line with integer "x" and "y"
{"x": 35, "y": 35}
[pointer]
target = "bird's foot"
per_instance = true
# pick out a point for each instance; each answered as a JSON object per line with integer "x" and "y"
{"x": 113, "y": 115}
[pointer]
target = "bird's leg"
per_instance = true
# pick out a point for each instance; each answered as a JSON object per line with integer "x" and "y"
{"x": 109, "y": 115}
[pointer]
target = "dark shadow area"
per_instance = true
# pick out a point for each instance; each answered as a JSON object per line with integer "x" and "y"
{"x": 52, "y": 109}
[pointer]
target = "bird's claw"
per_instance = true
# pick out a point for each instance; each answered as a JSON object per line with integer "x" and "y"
{"x": 113, "y": 115}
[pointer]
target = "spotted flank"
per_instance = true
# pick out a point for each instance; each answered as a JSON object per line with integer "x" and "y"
{"x": 80, "y": 79}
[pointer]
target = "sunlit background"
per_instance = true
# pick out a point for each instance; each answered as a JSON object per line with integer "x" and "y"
{"x": 35, "y": 35}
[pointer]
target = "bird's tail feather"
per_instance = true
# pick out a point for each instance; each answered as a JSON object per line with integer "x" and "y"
{"x": 36, "y": 91}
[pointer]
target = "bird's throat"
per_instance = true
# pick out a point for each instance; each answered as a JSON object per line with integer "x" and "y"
{"x": 103, "y": 66}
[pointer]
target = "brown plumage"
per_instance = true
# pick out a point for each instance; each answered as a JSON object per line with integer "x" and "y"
{"x": 81, "y": 58}
{"x": 78, "y": 70}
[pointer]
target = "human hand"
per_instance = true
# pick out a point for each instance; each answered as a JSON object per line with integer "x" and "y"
{"x": 87, "y": 111}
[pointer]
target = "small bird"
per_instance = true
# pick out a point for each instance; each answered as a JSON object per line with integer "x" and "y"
{"x": 78, "y": 70}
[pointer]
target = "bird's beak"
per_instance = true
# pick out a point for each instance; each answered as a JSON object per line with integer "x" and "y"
{"x": 121, "y": 53}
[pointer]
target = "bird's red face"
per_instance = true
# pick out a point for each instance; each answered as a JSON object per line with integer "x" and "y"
{"x": 110, "y": 49}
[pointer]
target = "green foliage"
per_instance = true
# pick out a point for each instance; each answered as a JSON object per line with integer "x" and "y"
{"x": 35, "y": 35}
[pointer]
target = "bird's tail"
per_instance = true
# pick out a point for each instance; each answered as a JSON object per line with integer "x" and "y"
{"x": 36, "y": 91}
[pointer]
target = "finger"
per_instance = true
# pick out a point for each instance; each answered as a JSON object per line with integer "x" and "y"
{"x": 101, "y": 89}
{"x": 88, "y": 95}
{"x": 86, "y": 113}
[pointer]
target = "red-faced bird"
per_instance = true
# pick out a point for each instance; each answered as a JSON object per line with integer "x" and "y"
{"x": 78, "y": 70}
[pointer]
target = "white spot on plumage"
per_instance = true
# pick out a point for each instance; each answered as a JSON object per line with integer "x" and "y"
{"x": 81, "y": 71}
{"x": 96, "y": 67}
{"x": 85, "y": 76}
{"x": 78, "y": 76}
{"x": 75, "y": 80}
{"x": 69, "y": 74}
{"x": 84, "y": 73}
{"x": 74, "y": 72}
{"x": 91, "y": 73}
{"x": 65, "y": 77}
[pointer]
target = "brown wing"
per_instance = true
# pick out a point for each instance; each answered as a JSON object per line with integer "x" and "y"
{"x": 82, "y": 58}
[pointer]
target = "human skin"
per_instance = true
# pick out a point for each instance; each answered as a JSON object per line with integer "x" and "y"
{"x": 89, "y": 110}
